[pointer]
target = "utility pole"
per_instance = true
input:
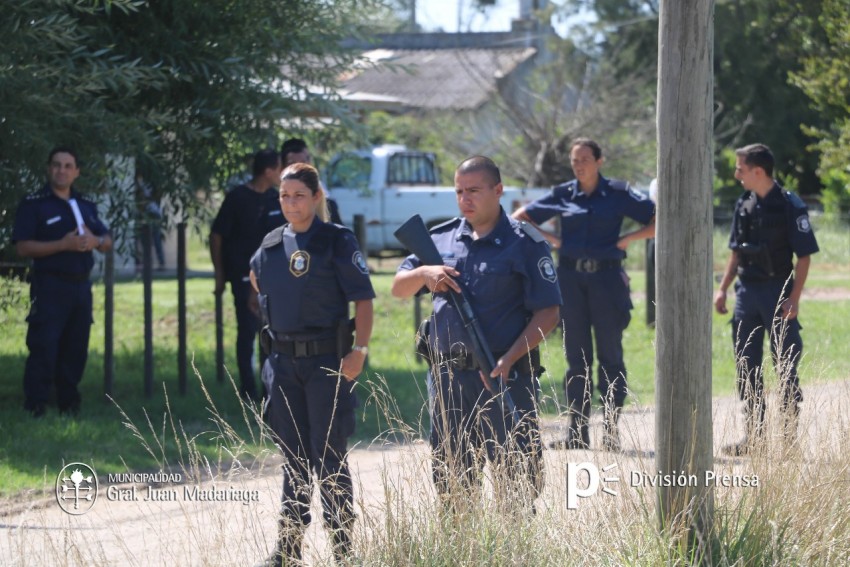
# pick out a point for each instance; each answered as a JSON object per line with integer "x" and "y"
{"x": 683, "y": 423}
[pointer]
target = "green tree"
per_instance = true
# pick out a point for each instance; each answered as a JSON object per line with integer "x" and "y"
{"x": 756, "y": 50}
{"x": 825, "y": 79}
{"x": 186, "y": 86}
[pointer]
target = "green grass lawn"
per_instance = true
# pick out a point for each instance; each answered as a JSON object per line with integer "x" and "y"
{"x": 392, "y": 391}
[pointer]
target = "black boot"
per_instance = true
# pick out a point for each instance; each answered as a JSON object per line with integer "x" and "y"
{"x": 287, "y": 552}
{"x": 754, "y": 412}
{"x": 790, "y": 422}
{"x": 611, "y": 435}
{"x": 342, "y": 548}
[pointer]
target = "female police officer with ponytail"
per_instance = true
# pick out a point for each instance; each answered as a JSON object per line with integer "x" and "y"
{"x": 306, "y": 273}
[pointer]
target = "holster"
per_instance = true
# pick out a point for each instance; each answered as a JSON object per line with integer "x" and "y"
{"x": 344, "y": 337}
{"x": 266, "y": 340}
{"x": 423, "y": 347}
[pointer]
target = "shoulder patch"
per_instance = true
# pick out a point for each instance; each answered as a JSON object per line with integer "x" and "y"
{"x": 532, "y": 231}
{"x": 803, "y": 224}
{"x": 274, "y": 238}
{"x": 546, "y": 267}
{"x": 360, "y": 263}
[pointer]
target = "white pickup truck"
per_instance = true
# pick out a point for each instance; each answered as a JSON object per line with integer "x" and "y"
{"x": 388, "y": 184}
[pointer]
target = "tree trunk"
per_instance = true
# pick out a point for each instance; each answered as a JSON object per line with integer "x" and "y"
{"x": 683, "y": 268}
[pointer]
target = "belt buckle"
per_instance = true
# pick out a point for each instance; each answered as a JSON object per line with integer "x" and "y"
{"x": 587, "y": 265}
{"x": 300, "y": 350}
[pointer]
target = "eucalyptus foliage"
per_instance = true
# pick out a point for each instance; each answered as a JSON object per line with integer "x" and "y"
{"x": 184, "y": 86}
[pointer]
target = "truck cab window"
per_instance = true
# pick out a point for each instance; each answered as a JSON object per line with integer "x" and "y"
{"x": 411, "y": 169}
{"x": 351, "y": 172}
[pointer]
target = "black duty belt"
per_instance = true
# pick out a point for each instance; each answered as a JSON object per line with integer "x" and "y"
{"x": 303, "y": 349}
{"x": 590, "y": 265}
{"x": 64, "y": 276}
{"x": 524, "y": 365}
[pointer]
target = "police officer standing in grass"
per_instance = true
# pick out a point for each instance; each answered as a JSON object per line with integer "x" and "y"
{"x": 770, "y": 226}
{"x": 594, "y": 284}
{"x": 58, "y": 228}
{"x": 306, "y": 273}
{"x": 294, "y": 150}
{"x": 506, "y": 270}
{"x": 248, "y": 212}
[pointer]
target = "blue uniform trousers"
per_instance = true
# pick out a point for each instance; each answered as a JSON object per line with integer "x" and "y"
{"x": 311, "y": 412}
{"x": 467, "y": 423}
{"x": 58, "y": 340}
{"x": 596, "y": 305}
{"x": 247, "y": 327}
{"x": 756, "y": 310}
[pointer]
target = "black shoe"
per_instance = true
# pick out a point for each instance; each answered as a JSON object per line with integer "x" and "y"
{"x": 72, "y": 411}
{"x": 37, "y": 412}
{"x": 739, "y": 449}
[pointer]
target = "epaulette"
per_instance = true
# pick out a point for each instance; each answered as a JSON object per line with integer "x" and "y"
{"x": 532, "y": 231}
{"x": 449, "y": 224}
{"x": 794, "y": 199}
{"x": 36, "y": 195}
{"x": 618, "y": 184}
{"x": 273, "y": 238}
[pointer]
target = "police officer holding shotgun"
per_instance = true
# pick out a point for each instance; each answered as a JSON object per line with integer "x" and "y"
{"x": 505, "y": 270}
{"x": 306, "y": 273}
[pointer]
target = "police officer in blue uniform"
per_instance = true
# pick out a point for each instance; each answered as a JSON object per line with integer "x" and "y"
{"x": 770, "y": 226}
{"x": 505, "y": 268}
{"x": 594, "y": 285}
{"x": 247, "y": 214}
{"x": 58, "y": 228}
{"x": 294, "y": 150}
{"x": 306, "y": 273}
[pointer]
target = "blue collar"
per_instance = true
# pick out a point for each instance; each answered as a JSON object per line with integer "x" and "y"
{"x": 497, "y": 235}
{"x": 601, "y": 188}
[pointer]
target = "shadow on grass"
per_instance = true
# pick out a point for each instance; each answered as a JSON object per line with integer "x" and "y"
{"x": 33, "y": 451}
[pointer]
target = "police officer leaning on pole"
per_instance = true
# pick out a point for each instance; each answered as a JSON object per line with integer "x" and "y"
{"x": 770, "y": 226}
{"x": 248, "y": 212}
{"x": 594, "y": 284}
{"x": 306, "y": 273}
{"x": 58, "y": 228}
{"x": 506, "y": 270}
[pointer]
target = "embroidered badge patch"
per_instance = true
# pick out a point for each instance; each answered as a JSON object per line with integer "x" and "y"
{"x": 299, "y": 263}
{"x": 360, "y": 263}
{"x": 803, "y": 224}
{"x": 547, "y": 269}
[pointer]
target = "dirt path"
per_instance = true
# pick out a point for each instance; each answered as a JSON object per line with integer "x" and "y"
{"x": 187, "y": 531}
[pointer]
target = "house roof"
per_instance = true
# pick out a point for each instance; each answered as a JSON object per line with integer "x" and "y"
{"x": 432, "y": 79}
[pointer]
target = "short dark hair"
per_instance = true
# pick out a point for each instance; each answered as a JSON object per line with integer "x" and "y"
{"x": 292, "y": 146}
{"x": 63, "y": 150}
{"x": 263, "y": 160}
{"x": 588, "y": 143}
{"x": 757, "y": 155}
{"x": 481, "y": 163}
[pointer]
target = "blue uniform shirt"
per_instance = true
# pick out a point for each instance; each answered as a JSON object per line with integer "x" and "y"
{"x": 307, "y": 279}
{"x": 244, "y": 218}
{"x": 591, "y": 224}
{"x": 507, "y": 275}
{"x": 44, "y": 217}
